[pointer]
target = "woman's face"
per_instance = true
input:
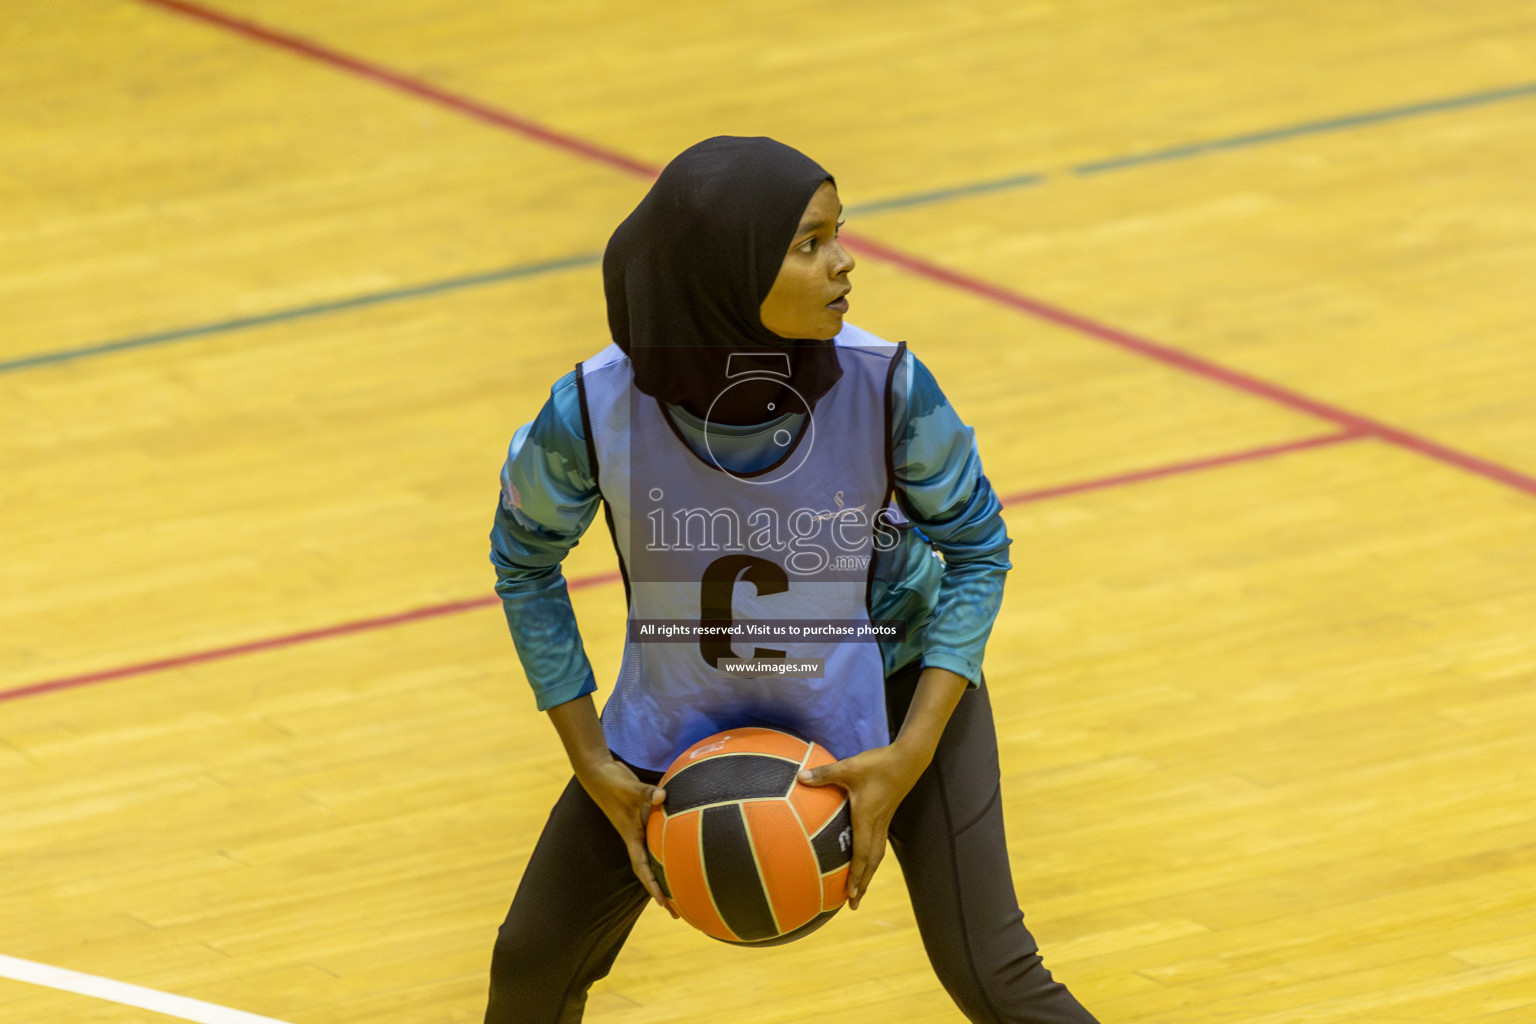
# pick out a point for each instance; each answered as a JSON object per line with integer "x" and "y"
{"x": 808, "y": 296}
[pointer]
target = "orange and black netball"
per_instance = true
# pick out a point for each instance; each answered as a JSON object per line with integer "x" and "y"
{"x": 743, "y": 850}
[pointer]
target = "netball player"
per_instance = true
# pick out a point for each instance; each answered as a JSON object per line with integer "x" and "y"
{"x": 759, "y": 459}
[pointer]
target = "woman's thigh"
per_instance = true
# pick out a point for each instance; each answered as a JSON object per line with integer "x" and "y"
{"x": 948, "y": 835}
{"x": 575, "y": 906}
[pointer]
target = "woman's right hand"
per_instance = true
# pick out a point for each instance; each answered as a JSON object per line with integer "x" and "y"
{"x": 624, "y": 799}
{"x": 627, "y": 802}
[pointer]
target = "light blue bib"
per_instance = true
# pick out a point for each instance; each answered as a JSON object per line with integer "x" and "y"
{"x": 766, "y": 570}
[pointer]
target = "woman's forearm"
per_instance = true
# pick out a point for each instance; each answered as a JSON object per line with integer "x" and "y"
{"x": 581, "y": 731}
{"x": 938, "y": 691}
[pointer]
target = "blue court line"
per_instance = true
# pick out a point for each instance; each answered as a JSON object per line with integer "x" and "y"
{"x": 299, "y": 312}
{"x": 1308, "y": 128}
{"x": 1208, "y": 146}
{"x": 940, "y": 195}
{"x": 897, "y": 202}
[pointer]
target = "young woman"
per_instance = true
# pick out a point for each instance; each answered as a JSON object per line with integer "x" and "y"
{"x": 759, "y": 460}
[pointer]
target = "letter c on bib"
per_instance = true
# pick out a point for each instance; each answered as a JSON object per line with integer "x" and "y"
{"x": 720, "y": 578}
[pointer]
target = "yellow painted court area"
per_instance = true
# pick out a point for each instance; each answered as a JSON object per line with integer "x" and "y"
{"x": 1238, "y": 297}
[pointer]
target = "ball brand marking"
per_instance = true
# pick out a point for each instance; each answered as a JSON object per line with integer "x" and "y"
{"x": 695, "y": 754}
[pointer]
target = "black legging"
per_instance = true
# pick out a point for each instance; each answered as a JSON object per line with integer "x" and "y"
{"x": 579, "y": 898}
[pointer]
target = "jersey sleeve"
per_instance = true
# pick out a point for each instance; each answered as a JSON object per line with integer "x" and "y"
{"x": 942, "y": 488}
{"x": 548, "y": 498}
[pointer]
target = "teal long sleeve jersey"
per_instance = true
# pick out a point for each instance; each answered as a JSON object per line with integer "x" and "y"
{"x": 944, "y": 578}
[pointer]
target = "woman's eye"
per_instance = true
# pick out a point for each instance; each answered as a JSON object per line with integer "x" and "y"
{"x": 809, "y": 245}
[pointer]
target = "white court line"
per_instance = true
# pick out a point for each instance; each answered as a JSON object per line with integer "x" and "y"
{"x": 128, "y": 995}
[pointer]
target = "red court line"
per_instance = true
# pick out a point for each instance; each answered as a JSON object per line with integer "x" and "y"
{"x": 1083, "y": 325}
{"x": 1198, "y": 366}
{"x": 289, "y": 640}
{"x": 413, "y": 86}
{"x": 1191, "y": 466}
{"x": 598, "y": 579}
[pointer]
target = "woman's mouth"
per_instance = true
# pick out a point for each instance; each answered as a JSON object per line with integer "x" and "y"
{"x": 839, "y": 305}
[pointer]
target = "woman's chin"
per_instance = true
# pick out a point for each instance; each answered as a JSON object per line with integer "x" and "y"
{"x": 830, "y": 328}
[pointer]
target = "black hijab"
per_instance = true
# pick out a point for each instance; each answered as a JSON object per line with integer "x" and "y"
{"x": 686, "y": 272}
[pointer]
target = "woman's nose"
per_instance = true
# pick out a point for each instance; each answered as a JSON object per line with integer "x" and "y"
{"x": 843, "y": 260}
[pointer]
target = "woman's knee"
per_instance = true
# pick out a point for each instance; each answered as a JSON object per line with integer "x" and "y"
{"x": 1019, "y": 990}
{"x": 516, "y": 951}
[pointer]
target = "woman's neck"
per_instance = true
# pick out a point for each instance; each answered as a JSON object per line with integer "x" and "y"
{"x": 739, "y": 449}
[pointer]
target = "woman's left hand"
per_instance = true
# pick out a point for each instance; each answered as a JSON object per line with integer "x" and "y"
{"x": 877, "y": 781}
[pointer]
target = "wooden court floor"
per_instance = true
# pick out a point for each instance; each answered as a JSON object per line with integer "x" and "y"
{"x": 1238, "y": 297}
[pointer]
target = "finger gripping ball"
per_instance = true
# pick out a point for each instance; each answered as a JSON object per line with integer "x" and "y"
{"x": 743, "y": 850}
